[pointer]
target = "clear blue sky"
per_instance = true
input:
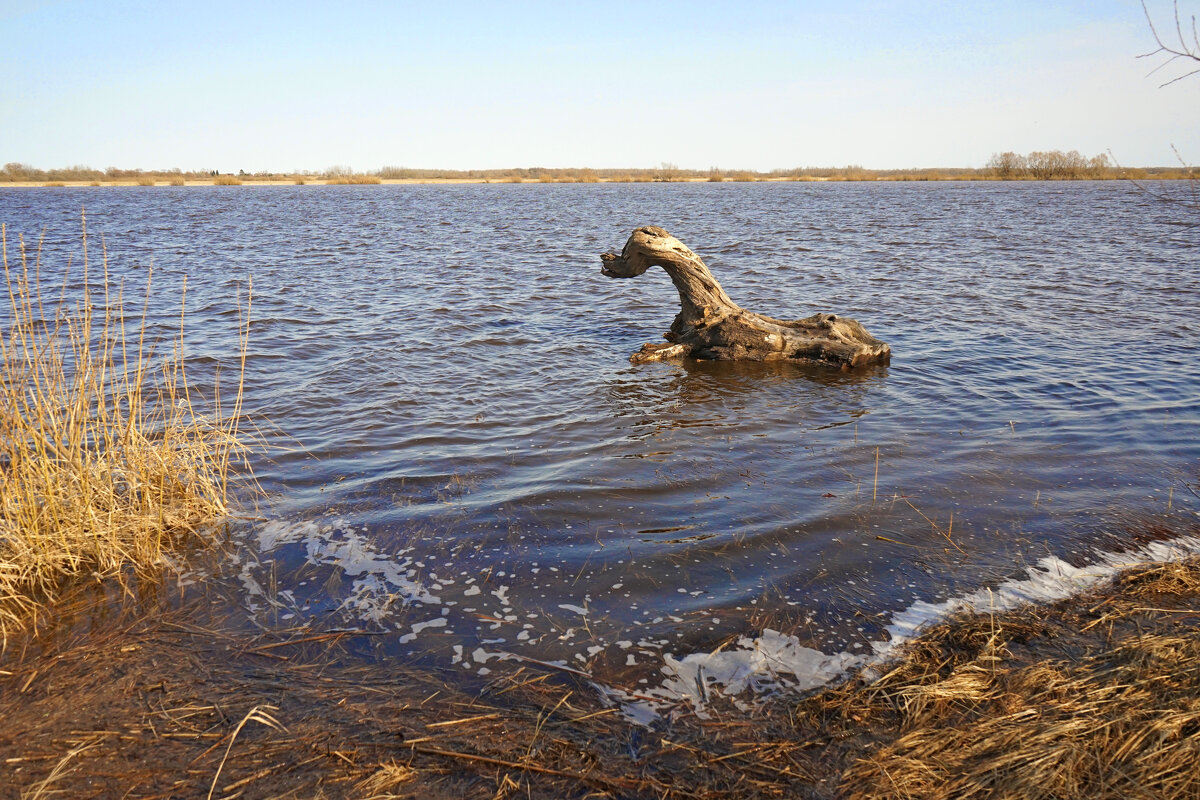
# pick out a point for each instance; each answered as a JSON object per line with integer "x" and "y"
{"x": 759, "y": 85}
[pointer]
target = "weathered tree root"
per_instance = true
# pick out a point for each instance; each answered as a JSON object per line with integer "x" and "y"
{"x": 711, "y": 326}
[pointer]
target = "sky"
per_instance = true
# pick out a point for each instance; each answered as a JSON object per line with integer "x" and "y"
{"x": 292, "y": 86}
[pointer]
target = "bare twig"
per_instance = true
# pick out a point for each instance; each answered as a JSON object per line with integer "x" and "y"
{"x": 1174, "y": 51}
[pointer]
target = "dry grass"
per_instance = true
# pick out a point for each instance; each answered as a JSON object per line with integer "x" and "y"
{"x": 1118, "y": 721}
{"x": 387, "y": 779}
{"x": 1116, "y": 726}
{"x": 226, "y": 180}
{"x": 108, "y": 458}
{"x": 354, "y": 180}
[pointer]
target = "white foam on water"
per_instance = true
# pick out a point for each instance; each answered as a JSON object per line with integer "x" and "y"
{"x": 382, "y": 583}
{"x": 775, "y": 662}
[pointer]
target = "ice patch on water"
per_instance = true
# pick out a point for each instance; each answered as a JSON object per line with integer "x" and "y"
{"x": 573, "y": 608}
{"x": 765, "y": 664}
{"x": 437, "y": 622}
{"x": 481, "y": 656}
{"x": 775, "y": 662}
{"x": 1052, "y": 579}
{"x": 381, "y": 584}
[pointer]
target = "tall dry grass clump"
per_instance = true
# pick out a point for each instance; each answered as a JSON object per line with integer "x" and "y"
{"x": 354, "y": 180}
{"x": 109, "y": 458}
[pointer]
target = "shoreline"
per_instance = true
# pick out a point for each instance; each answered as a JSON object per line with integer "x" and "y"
{"x": 1091, "y": 695}
{"x": 251, "y": 182}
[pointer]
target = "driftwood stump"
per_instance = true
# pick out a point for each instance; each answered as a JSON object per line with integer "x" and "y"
{"x": 711, "y": 326}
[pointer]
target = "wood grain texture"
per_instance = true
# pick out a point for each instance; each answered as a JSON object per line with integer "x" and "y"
{"x": 711, "y": 326}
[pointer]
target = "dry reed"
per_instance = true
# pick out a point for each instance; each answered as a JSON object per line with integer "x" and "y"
{"x": 109, "y": 459}
{"x": 353, "y": 180}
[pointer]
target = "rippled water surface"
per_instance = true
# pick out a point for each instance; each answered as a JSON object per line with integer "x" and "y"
{"x": 473, "y": 466}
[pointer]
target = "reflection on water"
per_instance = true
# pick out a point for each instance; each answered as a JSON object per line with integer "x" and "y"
{"x": 481, "y": 471}
{"x": 721, "y": 383}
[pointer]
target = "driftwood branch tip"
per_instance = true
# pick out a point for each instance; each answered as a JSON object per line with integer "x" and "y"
{"x": 711, "y": 326}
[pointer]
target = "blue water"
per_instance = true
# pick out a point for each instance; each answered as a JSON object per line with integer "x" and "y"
{"x": 443, "y": 371}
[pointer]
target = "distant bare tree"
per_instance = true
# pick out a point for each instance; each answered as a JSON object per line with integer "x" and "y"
{"x": 1182, "y": 48}
{"x": 1007, "y": 165}
{"x": 1056, "y": 165}
{"x": 1099, "y": 166}
{"x": 668, "y": 172}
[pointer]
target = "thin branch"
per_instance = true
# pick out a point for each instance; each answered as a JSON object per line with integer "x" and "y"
{"x": 1194, "y": 191}
{"x": 1189, "y": 51}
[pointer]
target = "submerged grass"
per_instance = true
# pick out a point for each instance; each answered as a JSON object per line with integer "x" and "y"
{"x": 109, "y": 458}
{"x": 1095, "y": 696}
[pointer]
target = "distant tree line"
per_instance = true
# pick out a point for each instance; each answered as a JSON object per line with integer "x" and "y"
{"x": 1050, "y": 165}
{"x": 15, "y": 171}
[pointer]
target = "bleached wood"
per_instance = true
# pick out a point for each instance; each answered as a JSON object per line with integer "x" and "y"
{"x": 711, "y": 326}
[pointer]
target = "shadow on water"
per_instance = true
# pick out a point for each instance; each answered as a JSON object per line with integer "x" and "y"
{"x": 741, "y": 396}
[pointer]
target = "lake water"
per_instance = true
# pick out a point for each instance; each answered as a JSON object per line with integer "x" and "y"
{"x": 472, "y": 467}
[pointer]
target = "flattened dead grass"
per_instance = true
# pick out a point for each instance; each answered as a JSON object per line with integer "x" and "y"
{"x": 1117, "y": 715}
{"x": 1096, "y": 696}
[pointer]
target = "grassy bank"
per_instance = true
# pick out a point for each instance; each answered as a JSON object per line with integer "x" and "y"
{"x": 1097, "y": 696}
{"x": 1049, "y": 165}
{"x": 109, "y": 459}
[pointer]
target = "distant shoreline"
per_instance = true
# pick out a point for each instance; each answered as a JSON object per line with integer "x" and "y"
{"x": 252, "y": 181}
{"x": 1038, "y": 165}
